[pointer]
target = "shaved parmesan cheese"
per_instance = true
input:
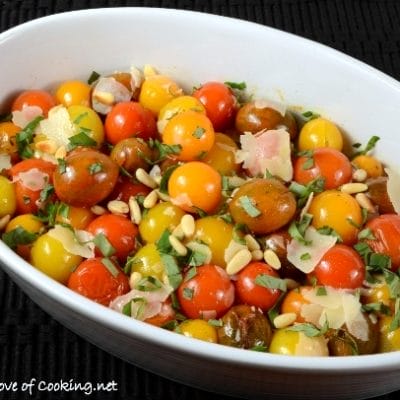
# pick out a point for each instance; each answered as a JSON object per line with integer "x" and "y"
{"x": 117, "y": 91}
{"x": 393, "y": 187}
{"x": 337, "y": 308}
{"x": 58, "y": 126}
{"x": 26, "y": 115}
{"x": 5, "y": 161}
{"x": 137, "y": 77}
{"x": 319, "y": 245}
{"x": 274, "y": 105}
{"x": 144, "y": 304}
{"x": 267, "y": 150}
{"x": 79, "y": 242}
{"x": 33, "y": 179}
{"x": 233, "y": 248}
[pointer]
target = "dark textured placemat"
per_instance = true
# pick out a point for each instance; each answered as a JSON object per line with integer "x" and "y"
{"x": 32, "y": 344}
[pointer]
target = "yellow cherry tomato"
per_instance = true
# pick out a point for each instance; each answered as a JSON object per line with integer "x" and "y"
{"x": 159, "y": 218}
{"x": 216, "y": 234}
{"x": 199, "y": 329}
{"x": 193, "y": 132}
{"x": 8, "y": 202}
{"x": 8, "y": 143}
{"x": 73, "y": 93}
{"x": 287, "y": 342}
{"x": 222, "y": 155}
{"x": 195, "y": 185}
{"x": 320, "y": 132}
{"x": 77, "y": 217}
{"x": 389, "y": 340}
{"x": 176, "y": 106}
{"x": 157, "y": 91}
{"x": 87, "y": 119}
{"x": 49, "y": 256}
{"x": 147, "y": 262}
{"x": 370, "y": 164}
{"x": 338, "y": 210}
{"x": 379, "y": 293}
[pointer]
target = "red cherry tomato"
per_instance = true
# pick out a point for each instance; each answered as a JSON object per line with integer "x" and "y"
{"x": 386, "y": 229}
{"x": 129, "y": 119}
{"x": 119, "y": 231}
{"x": 209, "y": 294}
{"x": 252, "y": 293}
{"x": 40, "y": 173}
{"x": 166, "y": 314}
{"x": 39, "y": 98}
{"x": 94, "y": 280}
{"x": 125, "y": 189}
{"x": 341, "y": 267}
{"x": 328, "y": 163}
{"x": 219, "y": 102}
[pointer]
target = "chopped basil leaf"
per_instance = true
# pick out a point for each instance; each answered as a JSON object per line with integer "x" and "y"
{"x": 198, "y": 132}
{"x": 140, "y": 309}
{"x": 309, "y": 115}
{"x": 102, "y": 243}
{"x": 110, "y": 266}
{"x": 271, "y": 282}
{"x": 216, "y": 322}
{"x": 18, "y": 236}
{"x": 366, "y": 234}
{"x": 6, "y": 117}
{"x": 201, "y": 155}
{"x": 379, "y": 262}
{"x": 164, "y": 150}
{"x": 259, "y": 347}
{"x": 369, "y": 146}
{"x": 25, "y": 137}
{"x": 62, "y": 166}
{"x": 93, "y": 77}
{"x": 46, "y": 192}
{"x": 395, "y": 324}
{"x": 376, "y": 307}
{"x": 172, "y": 269}
{"x": 309, "y": 159}
{"x": 363, "y": 250}
{"x": 175, "y": 302}
{"x": 127, "y": 309}
{"x": 321, "y": 291}
{"x": 149, "y": 284}
{"x": 303, "y": 192}
{"x": 309, "y": 329}
{"x": 305, "y": 256}
{"x": 238, "y": 231}
{"x": 297, "y": 230}
{"x": 80, "y": 117}
{"x": 190, "y": 274}
{"x": 63, "y": 210}
{"x": 201, "y": 212}
{"x": 95, "y": 168}
{"x": 327, "y": 230}
{"x": 268, "y": 174}
{"x": 165, "y": 178}
{"x": 227, "y": 218}
{"x": 124, "y": 172}
{"x": 364, "y": 215}
{"x": 236, "y": 85}
{"x": 163, "y": 245}
{"x": 81, "y": 139}
{"x": 170, "y": 325}
{"x": 353, "y": 223}
{"x": 274, "y": 311}
{"x": 248, "y": 205}
{"x": 188, "y": 293}
{"x": 393, "y": 281}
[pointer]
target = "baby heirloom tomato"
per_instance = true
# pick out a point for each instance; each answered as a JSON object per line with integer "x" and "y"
{"x": 71, "y": 93}
{"x": 38, "y": 98}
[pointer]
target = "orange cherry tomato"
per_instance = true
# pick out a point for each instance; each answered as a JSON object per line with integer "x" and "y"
{"x": 87, "y": 178}
{"x": 95, "y": 281}
{"x": 195, "y": 185}
{"x": 293, "y": 302}
{"x": 370, "y": 164}
{"x": 8, "y": 143}
{"x": 192, "y": 131}
{"x": 166, "y": 314}
{"x": 208, "y": 295}
{"x": 219, "y": 102}
{"x": 118, "y": 230}
{"x": 40, "y": 173}
{"x": 129, "y": 119}
{"x": 325, "y": 162}
{"x": 386, "y": 229}
{"x": 125, "y": 189}
{"x": 39, "y": 98}
{"x": 340, "y": 267}
{"x": 250, "y": 291}
{"x": 72, "y": 93}
{"x": 77, "y": 217}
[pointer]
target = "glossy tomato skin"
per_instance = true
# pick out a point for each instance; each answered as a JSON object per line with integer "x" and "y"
{"x": 209, "y": 294}
{"x": 386, "y": 229}
{"x": 341, "y": 268}
{"x": 125, "y": 189}
{"x": 328, "y": 163}
{"x": 129, "y": 119}
{"x": 88, "y": 178}
{"x": 93, "y": 280}
{"x": 253, "y": 294}
{"x": 219, "y": 102}
{"x": 119, "y": 231}
{"x": 27, "y": 198}
{"x": 39, "y": 98}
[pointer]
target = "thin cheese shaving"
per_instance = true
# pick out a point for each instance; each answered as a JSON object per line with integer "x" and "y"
{"x": 5, "y": 161}
{"x": 318, "y": 245}
{"x": 33, "y": 179}
{"x": 78, "y": 242}
{"x": 393, "y": 187}
{"x": 26, "y": 115}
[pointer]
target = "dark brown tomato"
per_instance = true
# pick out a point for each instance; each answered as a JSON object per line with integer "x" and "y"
{"x": 87, "y": 178}
{"x": 131, "y": 154}
{"x": 244, "y": 327}
{"x": 253, "y": 118}
{"x": 125, "y": 189}
{"x": 264, "y": 205}
{"x": 377, "y": 191}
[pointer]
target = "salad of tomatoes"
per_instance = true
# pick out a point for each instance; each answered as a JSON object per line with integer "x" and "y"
{"x": 215, "y": 214}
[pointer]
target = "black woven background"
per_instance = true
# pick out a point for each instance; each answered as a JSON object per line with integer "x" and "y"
{"x": 32, "y": 344}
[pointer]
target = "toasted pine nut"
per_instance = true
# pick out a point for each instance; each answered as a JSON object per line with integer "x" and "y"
{"x": 257, "y": 255}
{"x": 373, "y": 318}
{"x": 105, "y": 98}
{"x": 251, "y": 243}
{"x": 178, "y": 232}
{"x": 61, "y": 152}
{"x": 162, "y": 196}
{"x": 360, "y": 175}
{"x": 187, "y": 224}
{"x": 4, "y": 221}
{"x": 134, "y": 279}
{"x": 143, "y": 177}
{"x": 291, "y": 283}
{"x": 118, "y": 207}
{"x": 136, "y": 214}
{"x": 177, "y": 245}
{"x": 238, "y": 261}
{"x": 284, "y": 320}
{"x": 47, "y": 146}
{"x": 354, "y": 187}
{"x": 364, "y": 201}
{"x": 150, "y": 200}
{"x": 157, "y": 179}
{"x": 272, "y": 259}
{"x": 98, "y": 210}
